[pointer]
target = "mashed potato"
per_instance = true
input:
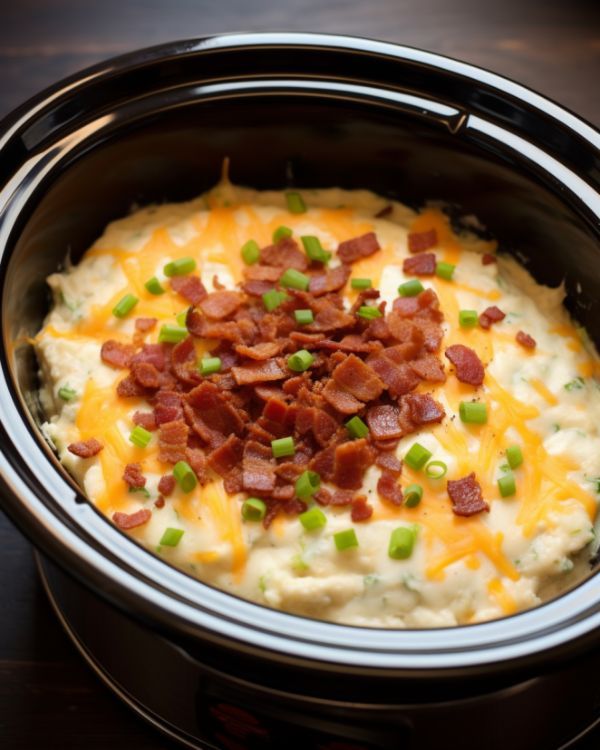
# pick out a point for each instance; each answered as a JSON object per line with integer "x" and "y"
{"x": 531, "y": 544}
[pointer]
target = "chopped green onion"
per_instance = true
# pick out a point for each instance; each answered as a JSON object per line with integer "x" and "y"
{"x": 361, "y": 283}
{"x": 514, "y": 456}
{"x": 507, "y": 485}
{"x": 575, "y": 385}
{"x": 313, "y": 519}
{"x": 307, "y": 484}
{"x": 368, "y": 312}
{"x": 280, "y": 233}
{"x": 410, "y": 288}
{"x": 170, "y": 334}
{"x": 300, "y": 360}
{"x": 124, "y": 306}
{"x": 345, "y": 539}
{"x": 402, "y": 541}
{"x": 436, "y": 469}
{"x": 444, "y": 270}
{"x": 254, "y": 509}
{"x": 283, "y": 447}
{"x": 295, "y": 203}
{"x": 294, "y": 279}
{"x": 140, "y": 436}
{"x": 314, "y": 249}
{"x": 467, "y": 318}
{"x": 273, "y": 299}
{"x": 179, "y": 267}
{"x": 181, "y": 318}
{"x": 417, "y": 456}
{"x": 209, "y": 365}
{"x": 67, "y": 393}
{"x": 412, "y": 495}
{"x": 171, "y": 537}
{"x": 357, "y": 428}
{"x": 472, "y": 412}
{"x": 250, "y": 252}
{"x": 154, "y": 286}
{"x": 140, "y": 490}
{"x": 304, "y": 317}
{"x": 185, "y": 476}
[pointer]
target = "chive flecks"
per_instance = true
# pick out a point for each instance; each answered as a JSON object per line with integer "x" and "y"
{"x": 281, "y": 233}
{"x": 361, "y": 283}
{"x": 410, "y": 288}
{"x": 181, "y": 318}
{"x": 283, "y": 447}
{"x": 254, "y": 509}
{"x": 344, "y": 540}
{"x": 417, "y": 456}
{"x": 273, "y": 298}
{"x": 314, "y": 250}
{"x": 444, "y": 270}
{"x": 210, "y": 365}
{"x": 514, "y": 456}
{"x": 171, "y": 537}
{"x": 575, "y": 385}
{"x": 313, "y": 519}
{"x": 304, "y": 317}
{"x": 124, "y": 306}
{"x": 402, "y": 542}
{"x": 295, "y": 203}
{"x": 368, "y": 312}
{"x": 66, "y": 393}
{"x": 154, "y": 286}
{"x": 140, "y": 437}
{"x": 170, "y": 334}
{"x": 467, "y": 318}
{"x": 357, "y": 428}
{"x": 185, "y": 476}
{"x": 179, "y": 267}
{"x": 300, "y": 360}
{"x": 507, "y": 485}
{"x": 473, "y": 412}
{"x": 413, "y": 494}
{"x": 436, "y": 469}
{"x": 307, "y": 484}
{"x": 250, "y": 252}
{"x": 294, "y": 279}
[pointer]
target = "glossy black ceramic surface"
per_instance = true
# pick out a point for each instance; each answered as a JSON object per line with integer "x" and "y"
{"x": 307, "y": 111}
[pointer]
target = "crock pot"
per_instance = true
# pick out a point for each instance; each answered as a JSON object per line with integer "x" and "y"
{"x": 303, "y": 110}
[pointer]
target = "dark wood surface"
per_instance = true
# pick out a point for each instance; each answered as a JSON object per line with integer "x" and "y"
{"x": 48, "y": 696}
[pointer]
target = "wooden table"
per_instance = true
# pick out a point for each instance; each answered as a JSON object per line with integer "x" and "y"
{"x": 48, "y": 697}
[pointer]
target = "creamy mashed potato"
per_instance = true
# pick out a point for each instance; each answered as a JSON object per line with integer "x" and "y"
{"x": 462, "y": 570}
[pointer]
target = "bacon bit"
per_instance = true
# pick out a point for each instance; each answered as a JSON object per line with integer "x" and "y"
{"x": 259, "y": 352}
{"x": 146, "y": 375}
{"x": 85, "y": 448}
{"x": 358, "y": 379}
{"x": 361, "y": 510}
{"x": 316, "y": 421}
{"x": 432, "y": 334}
{"x": 330, "y": 281}
{"x": 258, "y": 467}
{"x": 219, "y": 305}
{"x": 466, "y": 496}
{"x": 399, "y": 377}
{"x": 166, "y": 484}
{"x": 429, "y": 368}
{"x": 133, "y": 477}
{"x": 423, "y": 264}
{"x": 159, "y": 502}
{"x": 172, "y": 441}
{"x": 526, "y": 340}
{"x": 227, "y": 456}
{"x": 388, "y": 461}
{"x": 323, "y": 463}
{"x": 130, "y": 388}
{"x": 389, "y": 489}
{"x": 144, "y": 419}
{"x": 424, "y": 305}
{"x": 167, "y": 407}
{"x": 211, "y": 410}
{"x": 323, "y": 496}
{"x": 352, "y": 344}
{"x": 196, "y": 458}
{"x": 258, "y": 372}
{"x": 488, "y": 258}
{"x": 385, "y": 211}
{"x": 153, "y": 354}
{"x": 115, "y": 354}
{"x": 328, "y": 317}
{"x": 284, "y": 254}
{"x": 423, "y": 408}
{"x": 128, "y": 521}
{"x": 199, "y": 326}
{"x": 256, "y": 288}
{"x": 232, "y": 483}
{"x": 145, "y": 325}
{"x": 467, "y": 365}
{"x": 342, "y": 498}
{"x": 263, "y": 273}
{"x": 358, "y": 248}
{"x": 351, "y": 461}
{"x": 491, "y": 315}
{"x": 340, "y": 399}
{"x": 384, "y": 422}
{"x": 189, "y": 287}
{"x": 419, "y": 241}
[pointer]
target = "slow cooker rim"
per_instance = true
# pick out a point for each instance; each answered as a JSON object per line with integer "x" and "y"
{"x": 117, "y": 64}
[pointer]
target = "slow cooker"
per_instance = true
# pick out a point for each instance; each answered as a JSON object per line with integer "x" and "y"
{"x": 303, "y": 110}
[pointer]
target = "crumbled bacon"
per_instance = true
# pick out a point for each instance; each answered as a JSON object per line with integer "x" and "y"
{"x": 159, "y": 502}
{"x": 491, "y": 315}
{"x": 389, "y": 489}
{"x": 388, "y": 461}
{"x": 361, "y": 510}
{"x": 423, "y": 409}
{"x": 219, "y": 305}
{"x": 145, "y": 419}
{"x": 172, "y": 441}
{"x": 133, "y": 476}
{"x": 358, "y": 379}
{"x": 85, "y": 448}
{"x": 145, "y": 325}
{"x": 189, "y": 287}
{"x": 115, "y": 354}
{"x": 263, "y": 351}
{"x": 166, "y": 484}
{"x": 258, "y": 372}
{"x": 330, "y": 281}
{"x": 357, "y": 248}
{"x": 284, "y": 254}
{"x": 488, "y": 258}
{"x": 146, "y": 375}
{"x": 525, "y": 340}
{"x": 419, "y": 241}
{"x": 420, "y": 265}
{"x": 258, "y": 468}
{"x": 466, "y": 496}
{"x": 351, "y": 460}
{"x": 384, "y": 422}
{"x": 467, "y": 365}
{"x": 128, "y": 521}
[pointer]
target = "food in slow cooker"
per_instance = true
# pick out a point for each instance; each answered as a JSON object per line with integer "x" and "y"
{"x": 329, "y": 404}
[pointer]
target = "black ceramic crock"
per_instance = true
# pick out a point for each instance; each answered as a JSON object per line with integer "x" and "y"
{"x": 307, "y": 111}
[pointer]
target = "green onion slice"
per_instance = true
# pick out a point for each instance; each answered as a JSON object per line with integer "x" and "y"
{"x": 140, "y": 436}
{"x": 171, "y": 537}
{"x": 170, "y": 334}
{"x": 368, "y": 312}
{"x": 300, "y": 360}
{"x": 473, "y": 412}
{"x": 345, "y": 539}
{"x": 467, "y": 318}
{"x": 307, "y": 484}
{"x": 283, "y": 447}
{"x": 250, "y": 252}
{"x": 357, "y": 428}
{"x": 125, "y": 306}
{"x": 436, "y": 469}
{"x": 179, "y": 267}
{"x": 294, "y": 279}
{"x": 444, "y": 270}
{"x": 254, "y": 509}
{"x": 417, "y": 456}
{"x": 295, "y": 203}
{"x": 313, "y": 519}
{"x": 67, "y": 393}
{"x": 280, "y": 233}
{"x": 410, "y": 288}
{"x": 304, "y": 317}
{"x": 185, "y": 476}
{"x": 273, "y": 299}
{"x": 181, "y": 318}
{"x": 210, "y": 365}
{"x": 507, "y": 485}
{"x": 154, "y": 286}
{"x": 514, "y": 456}
{"x": 314, "y": 249}
{"x": 402, "y": 541}
{"x": 413, "y": 495}
{"x": 361, "y": 283}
